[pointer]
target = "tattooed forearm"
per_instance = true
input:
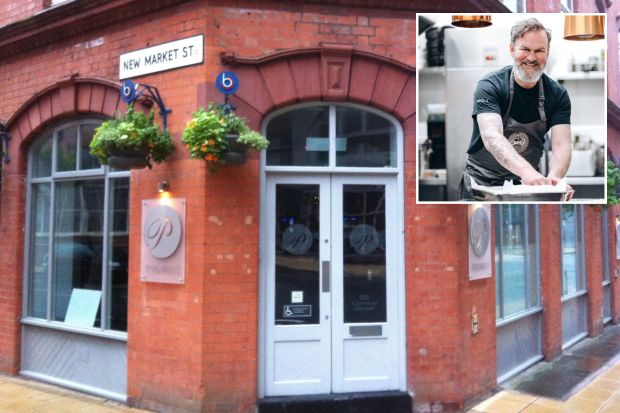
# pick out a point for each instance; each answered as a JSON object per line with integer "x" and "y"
{"x": 562, "y": 150}
{"x": 492, "y": 132}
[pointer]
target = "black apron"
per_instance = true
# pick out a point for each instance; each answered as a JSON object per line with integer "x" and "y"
{"x": 526, "y": 138}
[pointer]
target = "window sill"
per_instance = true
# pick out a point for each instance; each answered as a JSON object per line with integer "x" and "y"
{"x": 518, "y": 316}
{"x": 55, "y": 325}
{"x": 574, "y": 295}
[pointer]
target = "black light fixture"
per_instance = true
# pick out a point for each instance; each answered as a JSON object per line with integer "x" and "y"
{"x": 163, "y": 186}
{"x": 5, "y": 137}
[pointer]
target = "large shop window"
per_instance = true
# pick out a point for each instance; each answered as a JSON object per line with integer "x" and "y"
{"x": 516, "y": 259}
{"x": 574, "y": 291}
{"x": 606, "y": 275}
{"x": 573, "y": 271}
{"x": 78, "y": 239}
{"x": 518, "y": 309}
{"x": 331, "y": 136}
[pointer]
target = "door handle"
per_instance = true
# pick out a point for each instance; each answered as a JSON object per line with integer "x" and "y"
{"x": 325, "y": 281}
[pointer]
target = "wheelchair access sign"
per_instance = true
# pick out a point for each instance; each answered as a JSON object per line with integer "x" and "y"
{"x": 227, "y": 83}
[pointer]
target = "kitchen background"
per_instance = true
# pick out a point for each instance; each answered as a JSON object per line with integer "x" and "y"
{"x": 449, "y": 63}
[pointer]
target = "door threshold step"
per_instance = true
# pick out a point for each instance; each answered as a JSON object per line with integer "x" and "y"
{"x": 362, "y": 402}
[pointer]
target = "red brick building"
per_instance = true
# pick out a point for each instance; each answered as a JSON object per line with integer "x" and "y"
{"x": 395, "y": 318}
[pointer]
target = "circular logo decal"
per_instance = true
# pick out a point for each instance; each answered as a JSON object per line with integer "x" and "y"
{"x": 227, "y": 83}
{"x": 162, "y": 231}
{"x": 519, "y": 141}
{"x": 364, "y": 239}
{"x": 296, "y": 239}
{"x": 128, "y": 91}
{"x": 479, "y": 232}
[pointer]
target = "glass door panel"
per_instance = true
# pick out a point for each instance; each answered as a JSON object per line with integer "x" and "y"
{"x": 297, "y": 305}
{"x": 297, "y": 254}
{"x": 364, "y": 297}
{"x": 363, "y": 252}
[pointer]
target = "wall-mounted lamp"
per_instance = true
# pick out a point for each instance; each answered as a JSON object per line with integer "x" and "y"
{"x": 584, "y": 27}
{"x": 4, "y": 145}
{"x": 471, "y": 21}
{"x": 163, "y": 186}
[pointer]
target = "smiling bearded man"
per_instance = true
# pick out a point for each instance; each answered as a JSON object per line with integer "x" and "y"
{"x": 514, "y": 108}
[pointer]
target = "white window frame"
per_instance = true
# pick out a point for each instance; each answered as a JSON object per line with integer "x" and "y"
{"x": 57, "y": 2}
{"x": 332, "y": 168}
{"x": 516, "y": 6}
{"x": 567, "y": 6}
{"x": 102, "y": 172}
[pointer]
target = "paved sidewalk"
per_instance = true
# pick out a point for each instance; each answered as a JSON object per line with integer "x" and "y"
{"x": 19, "y": 395}
{"x": 585, "y": 379}
{"x": 601, "y": 395}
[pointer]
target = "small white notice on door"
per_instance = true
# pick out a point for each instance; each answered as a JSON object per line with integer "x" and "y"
{"x": 297, "y": 297}
{"x": 83, "y": 306}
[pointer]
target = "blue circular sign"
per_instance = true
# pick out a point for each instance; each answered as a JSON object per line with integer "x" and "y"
{"x": 227, "y": 83}
{"x": 128, "y": 91}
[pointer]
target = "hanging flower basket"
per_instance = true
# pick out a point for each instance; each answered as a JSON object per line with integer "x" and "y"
{"x": 235, "y": 154}
{"x": 220, "y": 137}
{"x": 131, "y": 141}
{"x": 135, "y": 158}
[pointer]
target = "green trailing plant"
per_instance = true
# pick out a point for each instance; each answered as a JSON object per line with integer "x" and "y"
{"x": 613, "y": 179}
{"x": 207, "y": 135}
{"x": 253, "y": 140}
{"x": 134, "y": 132}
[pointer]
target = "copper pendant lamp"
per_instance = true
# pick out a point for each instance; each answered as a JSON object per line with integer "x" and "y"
{"x": 471, "y": 21}
{"x": 584, "y": 27}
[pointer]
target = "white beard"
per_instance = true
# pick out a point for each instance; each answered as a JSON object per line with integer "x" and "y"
{"x": 524, "y": 76}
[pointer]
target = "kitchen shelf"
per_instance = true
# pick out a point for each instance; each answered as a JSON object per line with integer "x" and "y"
{"x": 585, "y": 180}
{"x": 439, "y": 70}
{"x": 599, "y": 75}
{"x": 433, "y": 181}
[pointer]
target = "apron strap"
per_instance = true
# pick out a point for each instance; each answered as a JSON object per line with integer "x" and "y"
{"x": 541, "y": 100}
{"x": 512, "y": 92}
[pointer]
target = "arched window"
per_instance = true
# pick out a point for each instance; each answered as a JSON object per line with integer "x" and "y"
{"x": 340, "y": 136}
{"x": 77, "y": 233}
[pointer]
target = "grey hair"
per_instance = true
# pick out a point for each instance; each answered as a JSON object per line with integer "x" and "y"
{"x": 527, "y": 25}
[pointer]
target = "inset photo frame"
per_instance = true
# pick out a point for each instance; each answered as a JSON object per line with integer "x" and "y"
{"x": 511, "y": 108}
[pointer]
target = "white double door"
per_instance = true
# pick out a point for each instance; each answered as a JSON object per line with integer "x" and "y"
{"x": 331, "y": 285}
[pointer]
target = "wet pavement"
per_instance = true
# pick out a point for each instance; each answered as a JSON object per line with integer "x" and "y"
{"x": 18, "y": 395}
{"x": 586, "y": 379}
{"x": 559, "y": 379}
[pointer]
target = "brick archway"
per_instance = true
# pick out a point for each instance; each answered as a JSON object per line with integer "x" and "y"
{"x": 332, "y": 73}
{"x": 66, "y": 98}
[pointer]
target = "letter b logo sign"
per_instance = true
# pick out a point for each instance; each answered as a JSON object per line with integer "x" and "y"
{"x": 227, "y": 83}
{"x": 128, "y": 91}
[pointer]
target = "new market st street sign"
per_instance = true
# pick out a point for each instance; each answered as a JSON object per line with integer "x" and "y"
{"x": 172, "y": 55}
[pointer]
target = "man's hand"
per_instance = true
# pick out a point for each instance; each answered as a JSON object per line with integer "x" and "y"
{"x": 535, "y": 178}
{"x": 492, "y": 133}
{"x": 569, "y": 189}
